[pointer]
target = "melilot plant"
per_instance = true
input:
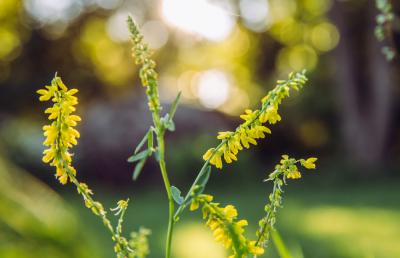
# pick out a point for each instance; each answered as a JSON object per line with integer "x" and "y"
{"x": 222, "y": 220}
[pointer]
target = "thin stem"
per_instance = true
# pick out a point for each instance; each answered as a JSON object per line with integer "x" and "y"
{"x": 160, "y": 141}
{"x": 269, "y": 212}
{"x": 115, "y": 237}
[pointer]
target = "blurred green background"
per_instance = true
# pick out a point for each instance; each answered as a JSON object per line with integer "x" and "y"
{"x": 224, "y": 55}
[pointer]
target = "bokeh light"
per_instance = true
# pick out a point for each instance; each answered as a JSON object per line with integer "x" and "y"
{"x": 199, "y": 17}
{"x": 155, "y": 33}
{"x": 255, "y": 14}
{"x": 195, "y": 241}
{"x": 213, "y": 89}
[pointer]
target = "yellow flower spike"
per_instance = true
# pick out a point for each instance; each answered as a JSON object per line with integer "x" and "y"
{"x": 60, "y": 134}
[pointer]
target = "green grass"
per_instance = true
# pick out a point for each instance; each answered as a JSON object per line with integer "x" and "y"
{"x": 345, "y": 222}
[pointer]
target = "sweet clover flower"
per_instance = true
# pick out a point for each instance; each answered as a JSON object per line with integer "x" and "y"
{"x": 253, "y": 129}
{"x": 226, "y": 230}
{"x": 287, "y": 169}
{"x": 60, "y": 134}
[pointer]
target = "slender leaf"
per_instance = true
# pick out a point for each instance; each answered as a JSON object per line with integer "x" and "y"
{"x": 204, "y": 177}
{"x": 158, "y": 154}
{"x": 280, "y": 245}
{"x": 140, "y": 155}
{"x": 175, "y": 105}
{"x": 150, "y": 141}
{"x": 143, "y": 141}
{"x": 138, "y": 168}
{"x": 170, "y": 125}
{"x": 177, "y": 195}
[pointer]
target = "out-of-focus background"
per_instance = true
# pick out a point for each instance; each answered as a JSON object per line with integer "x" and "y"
{"x": 224, "y": 55}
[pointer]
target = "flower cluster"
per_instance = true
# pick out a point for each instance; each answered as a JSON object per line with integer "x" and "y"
{"x": 288, "y": 169}
{"x": 226, "y": 230}
{"x": 60, "y": 134}
{"x": 253, "y": 128}
{"x": 139, "y": 243}
{"x": 147, "y": 73}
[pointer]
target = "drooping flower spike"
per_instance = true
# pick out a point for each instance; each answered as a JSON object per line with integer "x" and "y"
{"x": 252, "y": 128}
{"x": 226, "y": 229}
{"x": 60, "y": 134}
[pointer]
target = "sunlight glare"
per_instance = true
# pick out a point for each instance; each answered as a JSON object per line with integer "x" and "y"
{"x": 199, "y": 18}
{"x": 213, "y": 89}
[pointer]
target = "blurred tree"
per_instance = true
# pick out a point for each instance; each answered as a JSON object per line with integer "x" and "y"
{"x": 363, "y": 86}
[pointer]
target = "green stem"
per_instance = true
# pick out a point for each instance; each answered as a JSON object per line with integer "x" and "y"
{"x": 160, "y": 141}
{"x": 115, "y": 237}
{"x": 269, "y": 212}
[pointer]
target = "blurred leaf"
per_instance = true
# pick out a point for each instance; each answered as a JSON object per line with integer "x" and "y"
{"x": 158, "y": 154}
{"x": 177, "y": 195}
{"x": 35, "y": 221}
{"x": 171, "y": 126}
{"x": 280, "y": 245}
{"x": 150, "y": 141}
{"x": 140, "y": 155}
{"x": 138, "y": 168}
{"x": 143, "y": 141}
{"x": 204, "y": 177}
{"x": 175, "y": 105}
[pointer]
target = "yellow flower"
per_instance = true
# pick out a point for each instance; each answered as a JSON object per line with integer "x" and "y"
{"x": 309, "y": 163}
{"x": 255, "y": 249}
{"x": 194, "y": 205}
{"x": 216, "y": 160}
{"x": 208, "y": 154}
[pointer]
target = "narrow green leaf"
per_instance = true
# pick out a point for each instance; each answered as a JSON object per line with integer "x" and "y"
{"x": 204, "y": 177}
{"x": 143, "y": 141}
{"x": 177, "y": 195}
{"x": 138, "y": 168}
{"x": 175, "y": 105}
{"x": 170, "y": 125}
{"x": 280, "y": 245}
{"x": 150, "y": 141}
{"x": 158, "y": 154}
{"x": 140, "y": 155}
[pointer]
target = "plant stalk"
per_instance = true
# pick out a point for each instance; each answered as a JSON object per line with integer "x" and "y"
{"x": 160, "y": 141}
